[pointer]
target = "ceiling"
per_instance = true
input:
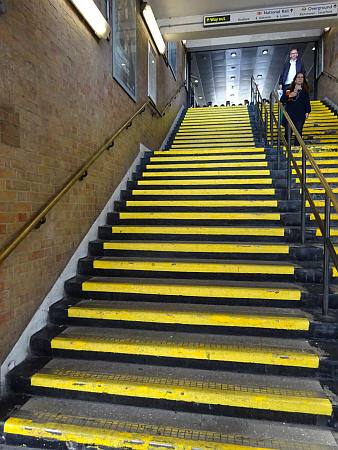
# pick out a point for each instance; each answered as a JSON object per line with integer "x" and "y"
{"x": 211, "y": 48}
{"x": 219, "y": 77}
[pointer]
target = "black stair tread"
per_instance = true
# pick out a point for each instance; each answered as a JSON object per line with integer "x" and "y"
{"x": 181, "y": 338}
{"x": 299, "y": 386}
{"x": 105, "y": 417}
{"x": 203, "y": 282}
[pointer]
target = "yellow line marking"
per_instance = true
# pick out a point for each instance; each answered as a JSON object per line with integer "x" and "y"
{"x": 187, "y": 290}
{"x": 333, "y": 232}
{"x": 178, "y": 266}
{"x": 321, "y": 191}
{"x": 203, "y": 192}
{"x": 203, "y": 173}
{"x": 190, "y": 318}
{"x": 185, "y": 390}
{"x": 320, "y": 155}
{"x": 322, "y": 216}
{"x": 199, "y": 230}
{"x": 212, "y": 151}
{"x": 105, "y": 434}
{"x": 204, "y": 203}
{"x": 317, "y": 180}
{"x": 278, "y": 356}
{"x": 199, "y": 215}
{"x": 323, "y": 170}
{"x": 193, "y": 247}
{"x": 203, "y": 158}
{"x": 206, "y": 165}
{"x": 206, "y": 181}
{"x": 210, "y": 144}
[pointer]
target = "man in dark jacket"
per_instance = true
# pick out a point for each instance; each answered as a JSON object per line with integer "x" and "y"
{"x": 290, "y": 68}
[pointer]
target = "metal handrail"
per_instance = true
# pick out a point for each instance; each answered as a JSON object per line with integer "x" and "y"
{"x": 80, "y": 174}
{"x": 329, "y": 75}
{"x": 330, "y": 197}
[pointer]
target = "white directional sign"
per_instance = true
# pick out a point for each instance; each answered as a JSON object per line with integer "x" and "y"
{"x": 271, "y": 14}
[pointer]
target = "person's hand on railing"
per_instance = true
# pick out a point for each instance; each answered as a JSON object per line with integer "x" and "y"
{"x": 306, "y": 115}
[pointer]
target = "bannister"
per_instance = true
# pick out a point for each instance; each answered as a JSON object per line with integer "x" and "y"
{"x": 330, "y": 198}
{"x": 80, "y": 174}
{"x": 329, "y": 75}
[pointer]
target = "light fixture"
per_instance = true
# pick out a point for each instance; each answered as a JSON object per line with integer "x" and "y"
{"x": 327, "y": 29}
{"x": 265, "y": 51}
{"x": 92, "y": 15}
{"x": 233, "y": 54}
{"x": 196, "y": 81}
{"x": 232, "y": 78}
{"x": 184, "y": 41}
{"x": 313, "y": 48}
{"x": 153, "y": 27}
{"x": 259, "y": 76}
{"x": 233, "y": 67}
{"x": 200, "y": 97}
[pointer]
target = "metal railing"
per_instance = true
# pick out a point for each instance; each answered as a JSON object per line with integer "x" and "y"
{"x": 329, "y": 75}
{"x": 40, "y": 218}
{"x": 307, "y": 159}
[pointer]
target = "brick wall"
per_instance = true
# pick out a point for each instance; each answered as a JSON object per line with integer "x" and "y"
{"x": 58, "y": 104}
{"x": 328, "y": 87}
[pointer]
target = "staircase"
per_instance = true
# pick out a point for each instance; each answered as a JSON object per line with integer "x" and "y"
{"x": 195, "y": 321}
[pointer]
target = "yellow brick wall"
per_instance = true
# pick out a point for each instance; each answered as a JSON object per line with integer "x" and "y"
{"x": 58, "y": 104}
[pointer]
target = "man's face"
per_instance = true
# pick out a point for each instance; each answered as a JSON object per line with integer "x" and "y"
{"x": 293, "y": 55}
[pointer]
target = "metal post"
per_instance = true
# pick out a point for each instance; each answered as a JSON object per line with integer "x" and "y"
{"x": 303, "y": 199}
{"x": 289, "y": 162}
{"x": 278, "y": 138}
{"x": 271, "y": 119}
{"x": 326, "y": 262}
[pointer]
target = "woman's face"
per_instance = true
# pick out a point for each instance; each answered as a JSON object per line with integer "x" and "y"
{"x": 299, "y": 78}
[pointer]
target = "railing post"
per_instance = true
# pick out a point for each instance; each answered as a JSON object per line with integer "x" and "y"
{"x": 303, "y": 198}
{"x": 278, "y": 138}
{"x": 271, "y": 119}
{"x": 289, "y": 163}
{"x": 326, "y": 262}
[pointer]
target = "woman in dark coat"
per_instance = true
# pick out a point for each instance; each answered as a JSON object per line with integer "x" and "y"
{"x": 297, "y": 103}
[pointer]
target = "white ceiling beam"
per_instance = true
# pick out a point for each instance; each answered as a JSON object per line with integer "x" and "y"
{"x": 248, "y": 40}
{"x": 191, "y": 27}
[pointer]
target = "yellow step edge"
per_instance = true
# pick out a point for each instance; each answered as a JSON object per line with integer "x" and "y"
{"x": 205, "y": 267}
{"x": 186, "y": 173}
{"x": 201, "y": 158}
{"x": 321, "y": 191}
{"x": 204, "y": 192}
{"x": 204, "y": 203}
{"x": 199, "y": 215}
{"x": 193, "y": 247}
{"x": 323, "y": 170}
{"x": 213, "y": 151}
{"x": 333, "y": 216}
{"x": 102, "y": 433}
{"x": 333, "y": 232}
{"x": 185, "y": 390}
{"x": 258, "y": 156}
{"x": 204, "y": 181}
{"x": 216, "y": 165}
{"x": 187, "y": 290}
{"x": 320, "y": 155}
{"x": 210, "y": 144}
{"x": 317, "y": 180}
{"x": 199, "y": 350}
{"x": 190, "y": 318}
{"x": 204, "y": 134}
{"x": 215, "y": 231}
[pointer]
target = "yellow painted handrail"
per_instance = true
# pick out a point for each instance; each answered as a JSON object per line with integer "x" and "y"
{"x": 40, "y": 217}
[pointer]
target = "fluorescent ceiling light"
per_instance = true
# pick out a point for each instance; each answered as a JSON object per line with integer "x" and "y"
{"x": 327, "y": 28}
{"x": 265, "y": 51}
{"x": 196, "y": 81}
{"x": 200, "y": 97}
{"x": 232, "y": 78}
{"x": 184, "y": 41}
{"x": 259, "y": 76}
{"x": 92, "y": 15}
{"x": 233, "y": 54}
{"x": 153, "y": 27}
{"x": 313, "y": 48}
